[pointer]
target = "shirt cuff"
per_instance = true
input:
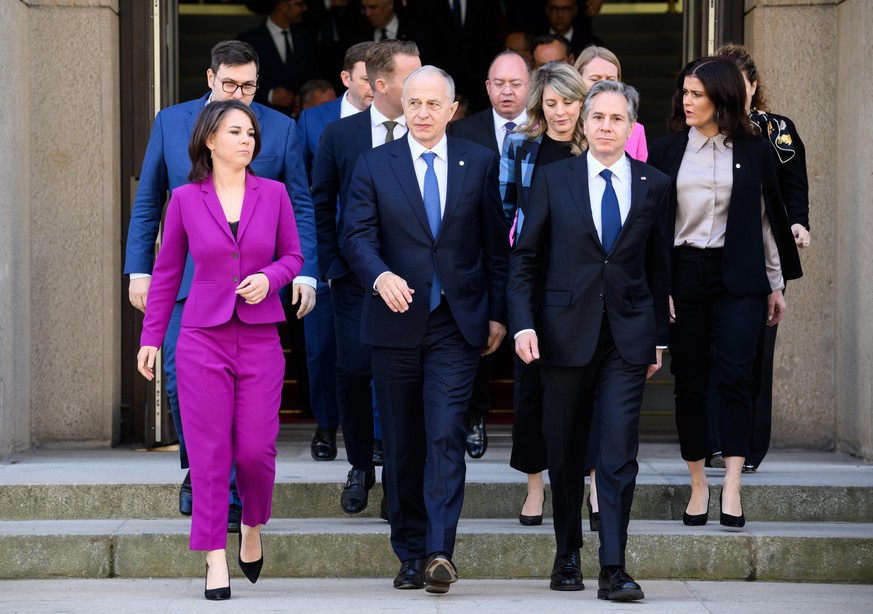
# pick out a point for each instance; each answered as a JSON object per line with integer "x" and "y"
{"x": 660, "y": 347}
{"x": 524, "y": 330}
{"x": 375, "y": 283}
{"x": 138, "y": 275}
{"x": 305, "y": 279}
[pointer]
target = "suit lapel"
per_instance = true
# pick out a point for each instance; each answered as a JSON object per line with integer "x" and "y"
{"x": 639, "y": 192}
{"x": 214, "y": 206}
{"x": 250, "y": 202}
{"x": 457, "y": 171}
{"x": 486, "y": 127}
{"x": 404, "y": 171}
{"x": 194, "y": 109}
{"x": 578, "y": 183}
{"x": 363, "y": 134}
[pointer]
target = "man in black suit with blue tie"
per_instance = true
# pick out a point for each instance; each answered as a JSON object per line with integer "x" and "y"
{"x": 425, "y": 234}
{"x": 593, "y": 260}
{"x": 388, "y": 63}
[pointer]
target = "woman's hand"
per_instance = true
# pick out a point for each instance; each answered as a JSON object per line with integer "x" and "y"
{"x": 145, "y": 361}
{"x": 801, "y": 235}
{"x": 254, "y": 288}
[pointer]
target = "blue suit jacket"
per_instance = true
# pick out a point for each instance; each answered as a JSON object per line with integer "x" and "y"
{"x": 341, "y": 144}
{"x": 310, "y": 126}
{"x": 166, "y": 167}
{"x": 387, "y": 230}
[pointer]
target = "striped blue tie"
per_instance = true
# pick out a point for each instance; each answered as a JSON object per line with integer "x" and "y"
{"x": 610, "y": 216}
{"x": 432, "y": 208}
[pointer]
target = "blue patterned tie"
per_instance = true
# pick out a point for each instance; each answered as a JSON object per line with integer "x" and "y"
{"x": 432, "y": 208}
{"x": 610, "y": 216}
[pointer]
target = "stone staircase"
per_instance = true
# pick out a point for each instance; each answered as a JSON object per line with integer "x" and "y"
{"x": 112, "y": 513}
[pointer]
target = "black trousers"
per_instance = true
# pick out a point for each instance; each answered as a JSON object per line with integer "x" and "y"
{"x": 715, "y": 335}
{"x": 528, "y": 443}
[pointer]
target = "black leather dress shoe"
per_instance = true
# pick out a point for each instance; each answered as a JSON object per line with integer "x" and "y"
{"x": 616, "y": 585}
{"x": 411, "y": 574}
{"x": 186, "y": 501}
{"x": 234, "y": 518}
{"x": 440, "y": 574}
{"x": 567, "y": 573}
{"x": 378, "y": 453}
{"x": 323, "y": 446}
{"x": 356, "y": 490}
{"x": 477, "y": 438}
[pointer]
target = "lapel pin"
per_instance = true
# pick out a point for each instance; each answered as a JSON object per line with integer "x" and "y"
{"x": 642, "y": 178}
{"x": 461, "y": 163}
{"x": 738, "y": 166}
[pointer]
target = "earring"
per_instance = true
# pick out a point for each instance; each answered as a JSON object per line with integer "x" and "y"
{"x": 211, "y": 153}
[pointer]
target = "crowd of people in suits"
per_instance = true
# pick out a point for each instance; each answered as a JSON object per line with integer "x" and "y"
{"x": 413, "y": 247}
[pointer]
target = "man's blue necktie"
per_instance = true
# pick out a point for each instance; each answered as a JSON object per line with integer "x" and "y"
{"x": 610, "y": 216}
{"x": 432, "y": 208}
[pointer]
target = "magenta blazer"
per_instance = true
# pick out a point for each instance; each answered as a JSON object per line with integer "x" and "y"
{"x": 266, "y": 242}
{"x": 636, "y": 146}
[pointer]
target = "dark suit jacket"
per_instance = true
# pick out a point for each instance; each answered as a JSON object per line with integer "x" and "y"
{"x": 341, "y": 143}
{"x": 387, "y": 230}
{"x": 478, "y": 128}
{"x": 560, "y": 275}
{"x": 744, "y": 267}
{"x": 273, "y": 72}
{"x": 310, "y": 125}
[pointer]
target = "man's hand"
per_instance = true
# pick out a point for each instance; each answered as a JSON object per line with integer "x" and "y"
{"x": 254, "y": 288}
{"x": 394, "y": 291}
{"x": 496, "y": 333}
{"x": 654, "y": 368}
{"x": 527, "y": 347}
{"x": 138, "y": 291}
{"x": 145, "y": 361}
{"x": 776, "y": 307}
{"x": 672, "y": 310}
{"x": 305, "y": 295}
{"x": 801, "y": 235}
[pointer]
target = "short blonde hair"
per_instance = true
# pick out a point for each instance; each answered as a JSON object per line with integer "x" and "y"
{"x": 593, "y": 51}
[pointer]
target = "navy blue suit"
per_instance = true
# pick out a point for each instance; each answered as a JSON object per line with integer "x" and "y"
{"x": 311, "y": 124}
{"x": 424, "y": 361}
{"x": 339, "y": 147}
{"x": 166, "y": 166}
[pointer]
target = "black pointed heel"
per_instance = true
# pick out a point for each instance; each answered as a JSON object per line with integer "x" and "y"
{"x": 215, "y": 594}
{"x": 251, "y": 570}
{"x": 695, "y": 520}
{"x": 726, "y": 520}
{"x": 531, "y": 521}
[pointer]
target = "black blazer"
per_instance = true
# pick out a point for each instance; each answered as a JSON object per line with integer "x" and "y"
{"x": 561, "y": 281}
{"x": 744, "y": 268}
{"x": 791, "y": 163}
{"x": 386, "y": 229}
{"x": 478, "y": 128}
{"x": 273, "y": 72}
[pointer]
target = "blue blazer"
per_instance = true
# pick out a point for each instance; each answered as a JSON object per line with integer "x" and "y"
{"x": 387, "y": 230}
{"x": 341, "y": 143}
{"x": 310, "y": 126}
{"x": 166, "y": 167}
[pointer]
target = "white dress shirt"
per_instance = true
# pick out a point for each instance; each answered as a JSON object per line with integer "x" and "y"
{"x": 379, "y": 131}
{"x": 621, "y": 183}
{"x": 347, "y": 108}
{"x": 279, "y": 38}
{"x": 500, "y": 130}
{"x": 392, "y": 28}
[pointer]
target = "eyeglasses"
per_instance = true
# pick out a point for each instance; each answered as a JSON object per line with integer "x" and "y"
{"x": 514, "y": 85}
{"x": 561, "y": 9}
{"x": 229, "y": 87}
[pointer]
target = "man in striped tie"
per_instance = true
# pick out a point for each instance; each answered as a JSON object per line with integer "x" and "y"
{"x": 425, "y": 234}
{"x": 588, "y": 300}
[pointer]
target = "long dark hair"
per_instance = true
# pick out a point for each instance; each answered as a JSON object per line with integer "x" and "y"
{"x": 206, "y": 125}
{"x": 724, "y": 86}
{"x": 743, "y": 59}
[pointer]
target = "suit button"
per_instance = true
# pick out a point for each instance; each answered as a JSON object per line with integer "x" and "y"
{"x": 235, "y": 255}
{"x": 235, "y": 279}
{"x": 606, "y": 263}
{"x": 600, "y": 297}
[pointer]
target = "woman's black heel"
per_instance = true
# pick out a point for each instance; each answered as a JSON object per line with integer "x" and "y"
{"x": 593, "y": 517}
{"x": 695, "y": 520}
{"x": 251, "y": 570}
{"x": 726, "y": 520}
{"x": 215, "y": 594}
{"x": 532, "y": 521}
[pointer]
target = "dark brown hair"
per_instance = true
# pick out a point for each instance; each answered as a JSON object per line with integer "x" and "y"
{"x": 206, "y": 125}
{"x": 744, "y": 61}
{"x": 380, "y": 58}
{"x": 233, "y": 53}
{"x": 356, "y": 53}
{"x": 723, "y": 84}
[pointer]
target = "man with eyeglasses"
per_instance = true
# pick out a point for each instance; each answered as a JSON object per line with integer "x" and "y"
{"x": 507, "y": 86}
{"x": 287, "y": 55}
{"x": 232, "y": 74}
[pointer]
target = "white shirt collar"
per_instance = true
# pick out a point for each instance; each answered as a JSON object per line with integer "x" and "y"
{"x": 568, "y": 35}
{"x": 346, "y": 107}
{"x": 499, "y": 122}
{"x": 441, "y": 149}
{"x": 274, "y": 29}
{"x": 376, "y": 118}
{"x": 621, "y": 169}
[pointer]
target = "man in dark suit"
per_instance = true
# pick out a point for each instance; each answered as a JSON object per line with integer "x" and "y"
{"x": 426, "y": 236}
{"x": 232, "y": 74}
{"x": 287, "y": 54}
{"x": 388, "y": 64}
{"x": 507, "y": 85}
{"x": 565, "y": 19}
{"x": 383, "y": 22}
{"x": 592, "y": 258}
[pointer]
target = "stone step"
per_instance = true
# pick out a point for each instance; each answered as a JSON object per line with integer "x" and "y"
{"x": 487, "y": 548}
{"x": 652, "y": 501}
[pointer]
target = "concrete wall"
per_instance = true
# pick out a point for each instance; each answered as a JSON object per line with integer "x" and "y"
{"x": 824, "y": 355}
{"x": 70, "y": 58}
{"x": 15, "y": 291}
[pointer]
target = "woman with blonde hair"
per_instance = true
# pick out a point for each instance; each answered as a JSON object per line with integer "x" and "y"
{"x": 553, "y": 132}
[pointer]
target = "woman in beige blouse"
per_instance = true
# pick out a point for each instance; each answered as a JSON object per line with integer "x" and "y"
{"x": 732, "y": 252}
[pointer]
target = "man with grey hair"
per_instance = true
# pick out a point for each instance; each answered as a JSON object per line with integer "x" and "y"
{"x": 425, "y": 234}
{"x": 593, "y": 258}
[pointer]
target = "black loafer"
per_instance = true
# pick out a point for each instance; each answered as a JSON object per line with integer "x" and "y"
{"x": 186, "y": 500}
{"x": 356, "y": 491}
{"x": 477, "y": 438}
{"x": 323, "y": 446}
{"x": 440, "y": 574}
{"x": 567, "y": 573}
{"x": 411, "y": 574}
{"x": 234, "y": 518}
{"x": 616, "y": 585}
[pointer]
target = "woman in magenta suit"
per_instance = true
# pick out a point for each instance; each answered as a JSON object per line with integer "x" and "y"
{"x": 242, "y": 237}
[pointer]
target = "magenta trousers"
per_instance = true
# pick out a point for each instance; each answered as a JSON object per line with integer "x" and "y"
{"x": 230, "y": 386}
